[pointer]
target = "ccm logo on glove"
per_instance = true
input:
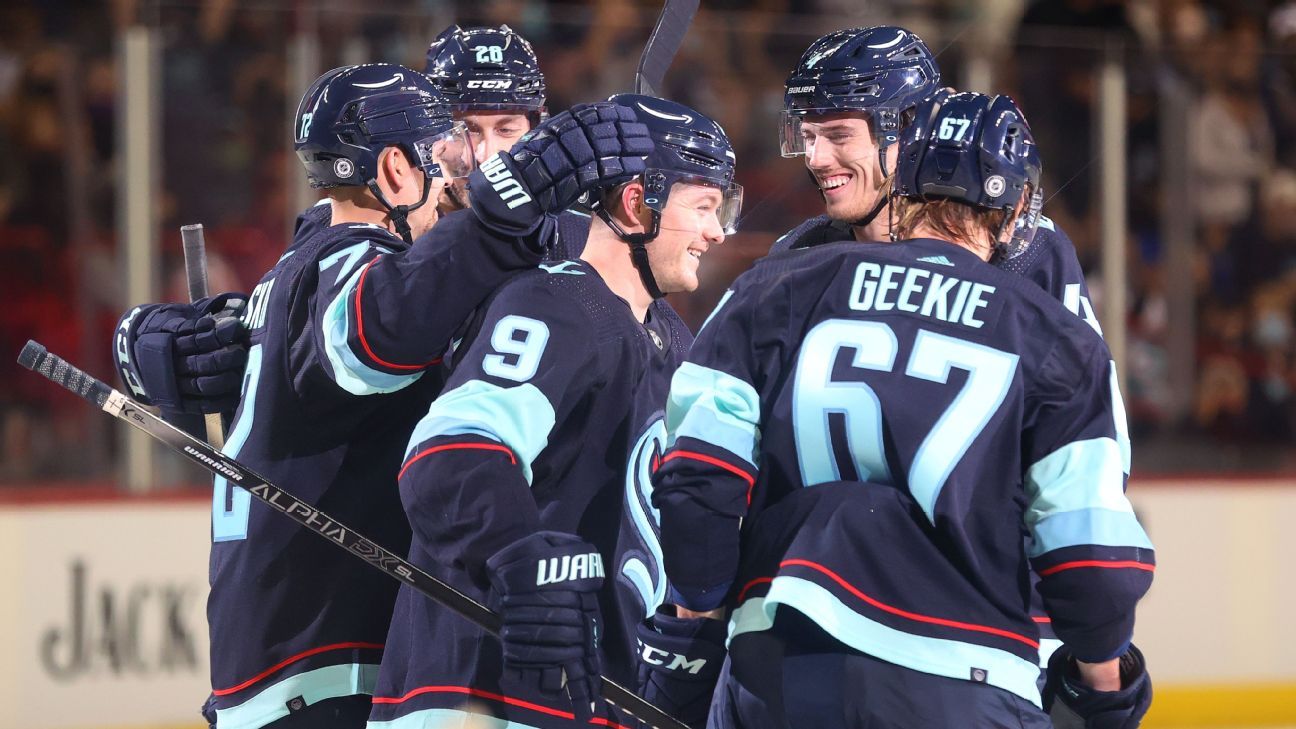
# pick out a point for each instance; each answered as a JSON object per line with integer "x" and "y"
{"x": 658, "y": 657}
{"x": 509, "y": 189}
{"x": 553, "y": 570}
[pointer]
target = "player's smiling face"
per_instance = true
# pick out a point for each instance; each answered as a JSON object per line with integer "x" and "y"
{"x": 842, "y": 154}
{"x": 493, "y": 132}
{"x": 690, "y": 224}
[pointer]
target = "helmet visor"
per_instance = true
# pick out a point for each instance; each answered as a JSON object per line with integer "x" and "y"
{"x": 885, "y": 124}
{"x": 448, "y": 154}
{"x": 726, "y": 210}
{"x": 1026, "y": 227}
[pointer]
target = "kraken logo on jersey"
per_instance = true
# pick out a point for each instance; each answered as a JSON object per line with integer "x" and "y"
{"x": 641, "y": 566}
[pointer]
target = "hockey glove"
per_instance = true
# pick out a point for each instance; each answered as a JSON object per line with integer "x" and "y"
{"x": 590, "y": 146}
{"x": 547, "y": 585}
{"x": 1073, "y": 705}
{"x": 186, "y": 358}
{"x": 679, "y": 663}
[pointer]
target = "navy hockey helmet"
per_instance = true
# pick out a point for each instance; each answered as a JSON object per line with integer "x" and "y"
{"x": 884, "y": 72}
{"x": 351, "y": 114}
{"x": 487, "y": 69}
{"x": 688, "y": 147}
{"x": 978, "y": 150}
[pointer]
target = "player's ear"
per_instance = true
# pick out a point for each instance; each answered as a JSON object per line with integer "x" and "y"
{"x": 395, "y": 167}
{"x": 632, "y": 201}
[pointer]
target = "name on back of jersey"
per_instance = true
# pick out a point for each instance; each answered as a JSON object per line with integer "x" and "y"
{"x": 919, "y": 291}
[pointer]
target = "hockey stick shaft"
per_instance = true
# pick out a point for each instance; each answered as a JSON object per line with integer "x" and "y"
{"x": 195, "y": 257}
{"x": 56, "y": 369}
{"x": 663, "y": 44}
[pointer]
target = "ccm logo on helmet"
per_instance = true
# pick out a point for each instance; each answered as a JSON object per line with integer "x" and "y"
{"x": 490, "y": 83}
{"x": 509, "y": 189}
{"x": 672, "y": 661}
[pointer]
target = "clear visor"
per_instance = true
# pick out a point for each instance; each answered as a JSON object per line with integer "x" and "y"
{"x": 448, "y": 155}
{"x": 884, "y": 125}
{"x": 709, "y": 209}
{"x": 1027, "y": 225}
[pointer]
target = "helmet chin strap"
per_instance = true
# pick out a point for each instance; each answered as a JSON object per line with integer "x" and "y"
{"x": 882, "y": 200}
{"x": 638, "y": 248}
{"x": 399, "y": 214}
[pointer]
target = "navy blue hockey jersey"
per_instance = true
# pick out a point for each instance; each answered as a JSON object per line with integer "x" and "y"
{"x": 866, "y": 432}
{"x": 344, "y": 331}
{"x": 1050, "y": 262}
{"x": 551, "y": 419}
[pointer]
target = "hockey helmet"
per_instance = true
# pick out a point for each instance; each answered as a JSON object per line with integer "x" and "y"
{"x": 974, "y": 149}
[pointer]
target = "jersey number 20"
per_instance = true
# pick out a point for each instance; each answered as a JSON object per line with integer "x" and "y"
{"x": 816, "y": 397}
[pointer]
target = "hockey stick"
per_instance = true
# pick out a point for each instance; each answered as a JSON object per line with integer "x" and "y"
{"x": 195, "y": 257}
{"x": 56, "y": 369}
{"x": 663, "y": 44}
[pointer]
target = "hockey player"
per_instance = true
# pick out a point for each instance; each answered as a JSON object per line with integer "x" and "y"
{"x": 861, "y": 436}
{"x": 188, "y": 359}
{"x": 526, "y": 482}
{"x": 492, "y": 81}
{"x": 342, "y": 331}
{"x": 845, "y": 104}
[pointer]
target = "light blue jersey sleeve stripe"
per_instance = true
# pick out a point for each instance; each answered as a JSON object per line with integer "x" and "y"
{"x": 1088, "y": 526}
{"x": 348, "y": 371}
{"x": 520, "y": 417}
{"x": 271, "y": 703}
{"x": 447, "y": 719}
{"x": 1086, "y": 474}
{"x": 937, "y": 656}
{"x": 715, "y": 408}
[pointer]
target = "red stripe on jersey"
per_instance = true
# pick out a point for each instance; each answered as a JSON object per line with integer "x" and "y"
{"x": 478, "y": 693}
{"x": 1127, "y": 564}
{"x": 294, "y": 659}
{"x": 905, "y": 613}
{"x": 1041, "y": 619}
{"x": 365, "y": 342}
{"x": 758, "y": 581}
{"x": 718, "y": 464}
{"x": 454, "y": 447}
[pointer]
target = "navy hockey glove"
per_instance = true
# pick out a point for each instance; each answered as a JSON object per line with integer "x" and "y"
{"x": 547, "y": 585}
{"x": 587, "y": 147}
{"x": 1075, "y": 706}
{"x": 186, "y": 358}
{"x": 679, "y": 663}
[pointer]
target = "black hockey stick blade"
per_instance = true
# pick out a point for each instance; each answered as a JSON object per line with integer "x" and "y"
{"x": 53, "y": 367}
{"x": 663, "y": 44}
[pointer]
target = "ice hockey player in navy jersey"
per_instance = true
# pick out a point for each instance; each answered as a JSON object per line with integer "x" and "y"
{"x": 188, "y": 358}
{"x": 343, "y": 331}
{"x": 862, "y": 435}
{"x": 526, "y": 483}
{"x": 845, "y": 103}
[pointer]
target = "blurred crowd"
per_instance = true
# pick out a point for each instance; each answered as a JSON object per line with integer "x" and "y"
{"x": 226, "y": 96}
